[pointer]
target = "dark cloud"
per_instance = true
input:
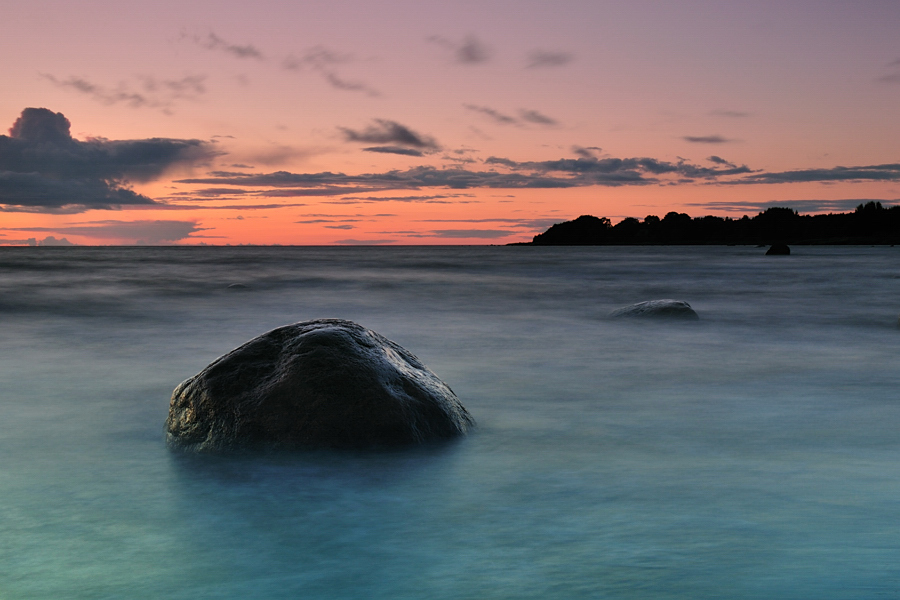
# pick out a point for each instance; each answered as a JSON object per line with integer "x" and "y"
{"x": 394, "y": 150}
{"x": 494, "y": 115}
{"x": 214, "y": 42}
{"x": 471, "y": 51}
{"x": 504, "y": 173}
{"x": 36, "y": 190}
{"x": 390, "y": 132}
{"x": 140, "y": 232}
{"x": 802, "y": 206}
{"x": 571, "y": 172}
{"x": 885, "y": 172}
{"x": 42, "y": 165}
{"x": 339, "y": 227}
{"x": 705, "y": 139}
{"x": 533, "y": 116}
{"x": 542, "y": 59}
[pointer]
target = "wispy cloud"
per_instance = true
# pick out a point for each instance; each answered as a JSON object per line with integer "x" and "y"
{"x": 542, "y": 59}
{"x": 213, "y": 42}
{"x": 494, "y": 115}
{"x": 533, "y": 116}
{"x": 525, "y": 116}
{"x": 349, "y": 86}
{"x": 469, "y": 51}
{"x": 147, "y": 92}
{"x": 324, "y": 61}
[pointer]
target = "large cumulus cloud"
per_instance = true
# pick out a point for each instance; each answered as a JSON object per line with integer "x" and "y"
{"x": 43, "y": 167}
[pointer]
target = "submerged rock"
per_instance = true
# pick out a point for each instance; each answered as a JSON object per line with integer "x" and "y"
{"x": 669, "y": 309}
{"x": 323, "y": 383}
{"x": 778, "y": 250}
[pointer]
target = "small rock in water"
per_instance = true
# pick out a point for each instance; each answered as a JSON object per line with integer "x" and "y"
{"x": 778, "y": 250}
{"x": 669, "y": 309}
{"x": 327, "y": 383}
{"x": 238, "y": 286}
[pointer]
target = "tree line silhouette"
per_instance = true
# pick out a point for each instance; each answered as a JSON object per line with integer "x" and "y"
{"x": 870, "y": 223}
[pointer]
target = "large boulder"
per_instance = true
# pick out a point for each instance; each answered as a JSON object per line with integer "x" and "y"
{"x": 669, "y": 309}
{"x": 325, "y": 383}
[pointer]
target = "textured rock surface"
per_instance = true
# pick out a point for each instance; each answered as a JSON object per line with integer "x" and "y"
{"x": 324, "y": 383}
{"x": 778, "y": 250}
{"x": 670, "y": 309}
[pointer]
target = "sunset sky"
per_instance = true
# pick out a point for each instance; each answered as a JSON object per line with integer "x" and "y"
{"x": 352, "y": 122}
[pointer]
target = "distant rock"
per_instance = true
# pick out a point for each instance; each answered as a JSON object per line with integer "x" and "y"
{"x": 778, "y": 250}
{"x": 668, "y": 309}
{"x": 238, "y": 286}
{"x": 324, "y": 383}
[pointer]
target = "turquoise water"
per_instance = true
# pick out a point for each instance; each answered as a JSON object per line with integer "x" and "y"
{"x": 753, "y": 454}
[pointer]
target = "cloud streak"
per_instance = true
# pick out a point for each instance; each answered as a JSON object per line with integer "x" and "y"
{"x": 885, "y": 172}
{"x": 706, "y": 139}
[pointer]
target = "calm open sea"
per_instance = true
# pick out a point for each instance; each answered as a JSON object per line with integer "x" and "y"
{"x": 752, "y": 454}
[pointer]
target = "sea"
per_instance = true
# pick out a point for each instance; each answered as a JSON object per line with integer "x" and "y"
{"x": 754, "y": 453}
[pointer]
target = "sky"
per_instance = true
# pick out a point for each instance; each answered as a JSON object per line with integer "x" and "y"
{"x": 418, "y": 122}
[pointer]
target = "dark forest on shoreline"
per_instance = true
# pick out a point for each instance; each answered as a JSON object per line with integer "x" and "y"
{"x": 870, "y": 223}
